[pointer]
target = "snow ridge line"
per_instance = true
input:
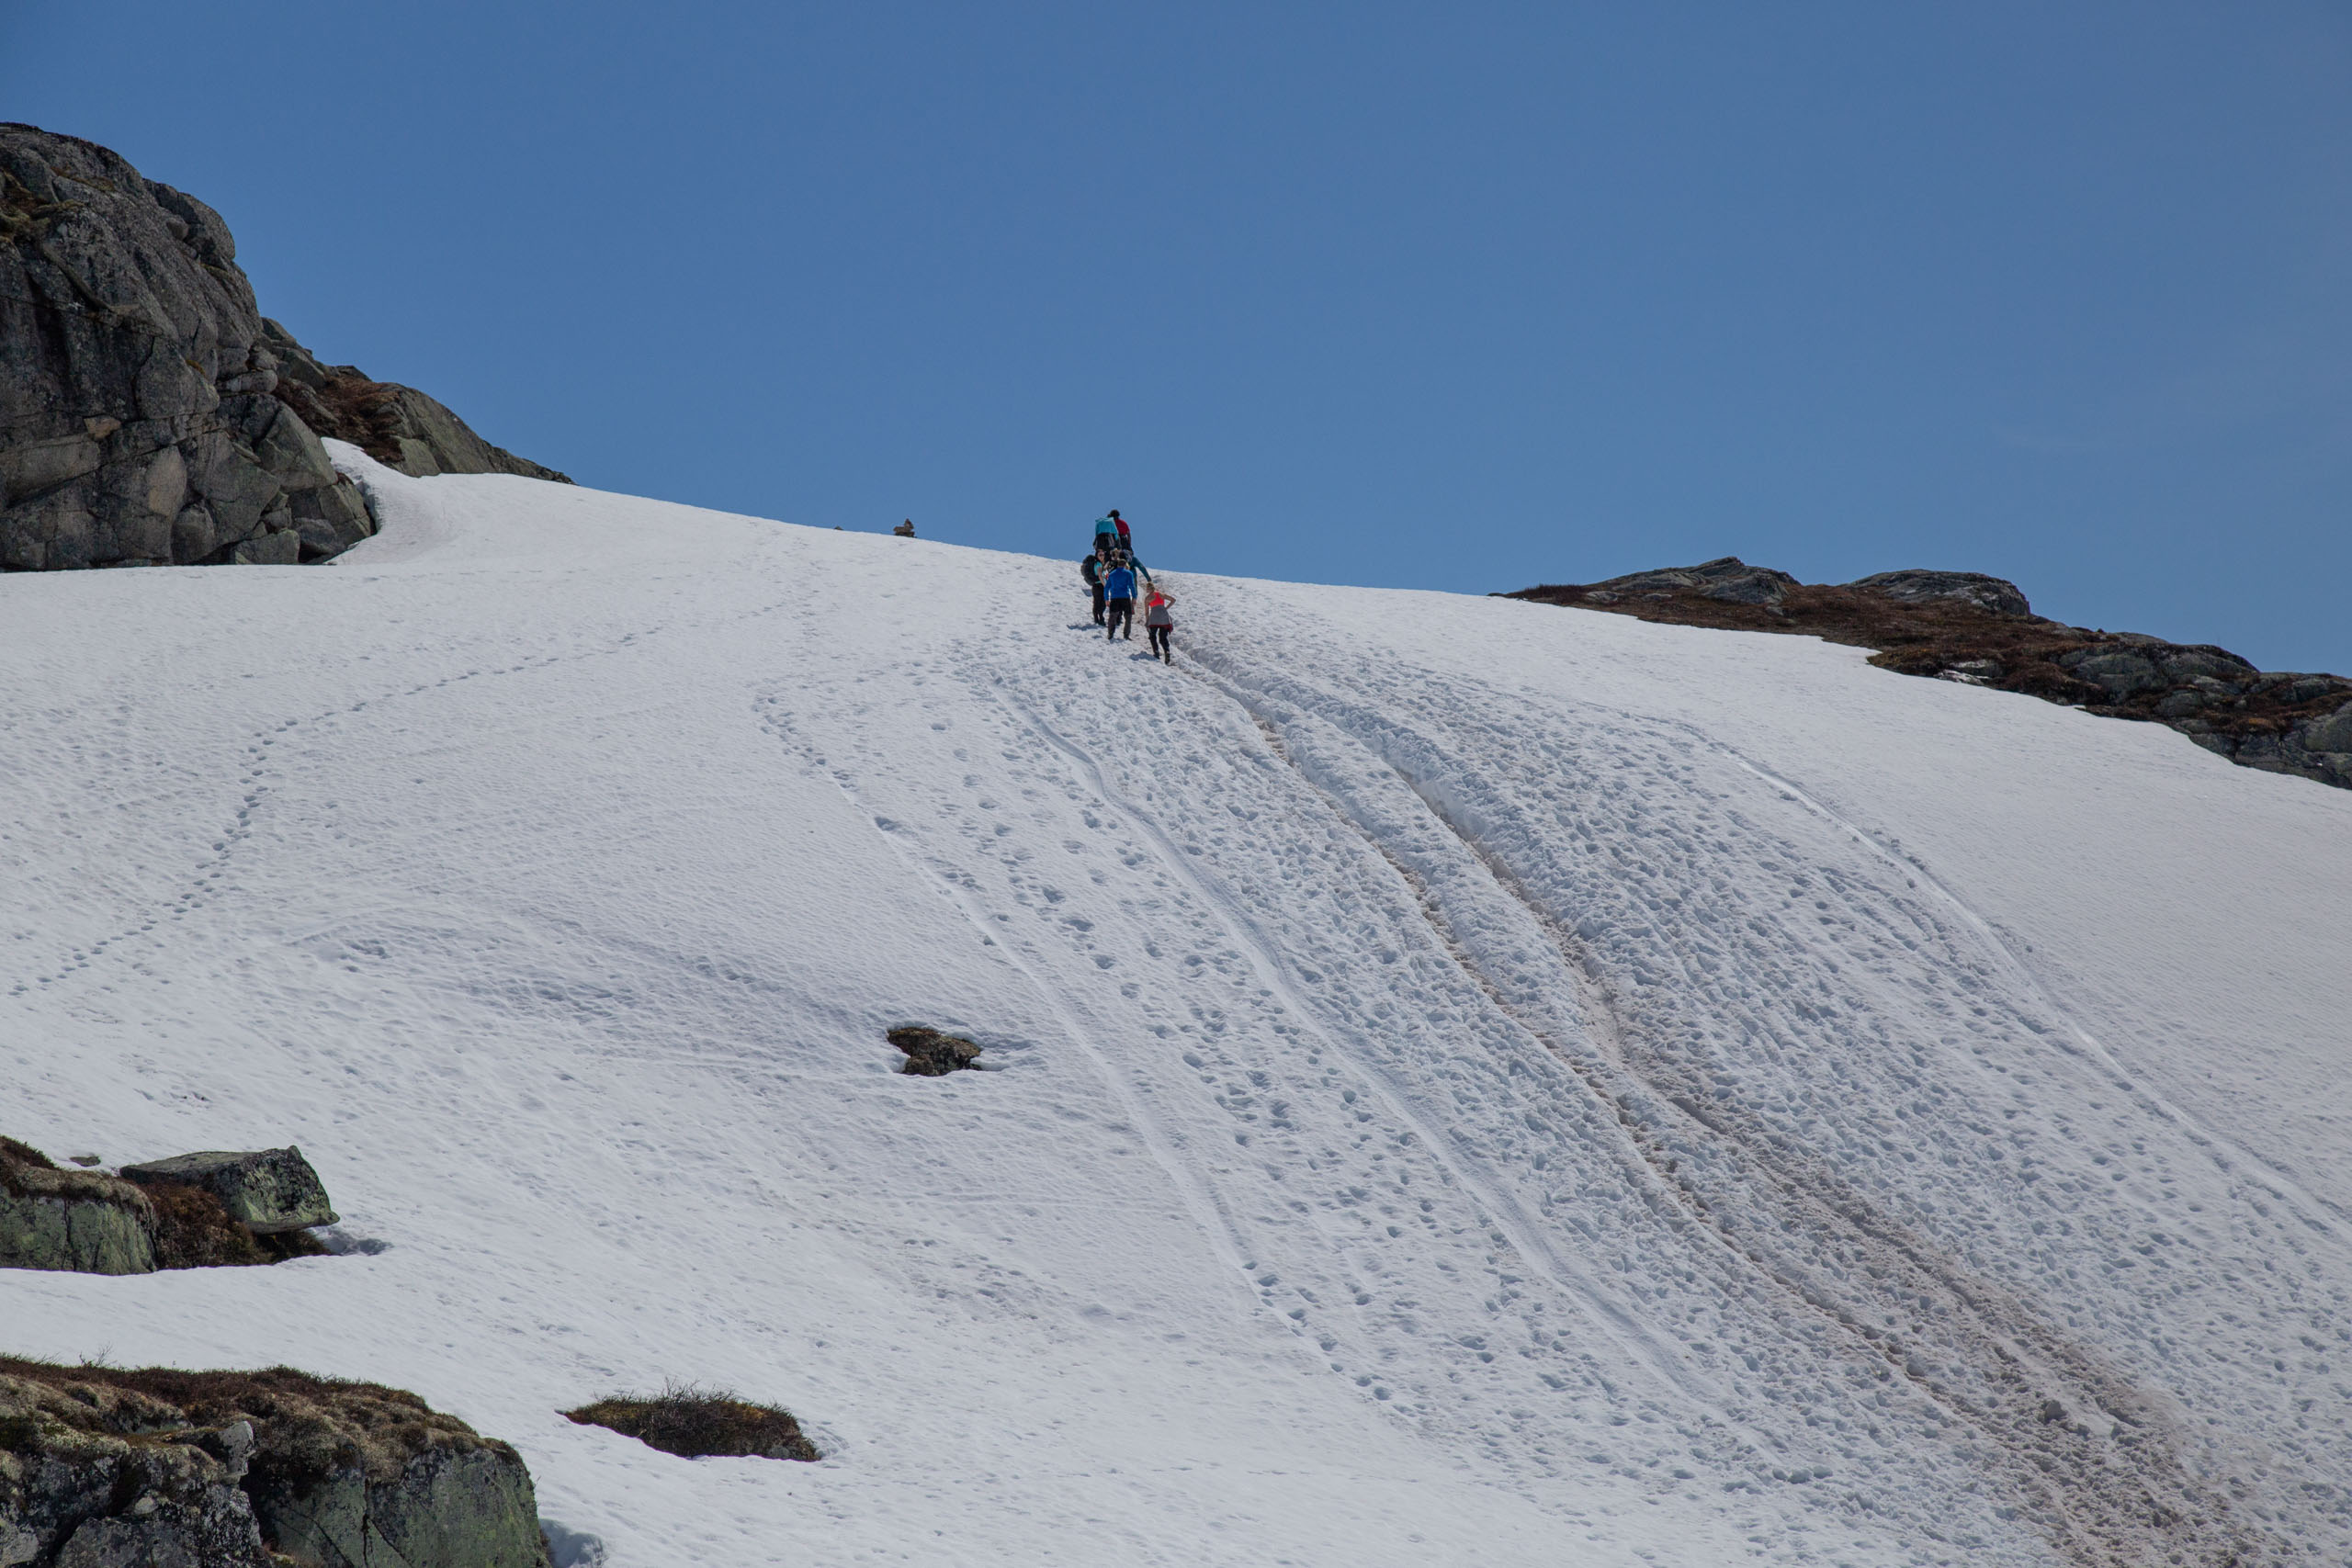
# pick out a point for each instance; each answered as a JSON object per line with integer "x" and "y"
{"x": 1207, "y": 1213}
{"x": 2114, "y": 1529}
{"x": 1620, "y": 1325}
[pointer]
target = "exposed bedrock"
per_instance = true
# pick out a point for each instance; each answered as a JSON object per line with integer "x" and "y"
{"x": 1980, "y": 631}
{"x": 200, "y": 1211}
{"x": 149, "y": 415}
{"x": 101, "y": 1467}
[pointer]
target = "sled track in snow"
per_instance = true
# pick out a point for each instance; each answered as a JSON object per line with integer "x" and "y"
{"x": 2116, "y": 1502}
{"x": 1526, "y": 1237}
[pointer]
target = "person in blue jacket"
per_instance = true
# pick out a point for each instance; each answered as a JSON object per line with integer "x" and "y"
{"x": 1119, "y": 593}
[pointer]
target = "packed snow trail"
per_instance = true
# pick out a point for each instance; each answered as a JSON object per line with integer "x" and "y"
{"x": 1477, "y": 1082}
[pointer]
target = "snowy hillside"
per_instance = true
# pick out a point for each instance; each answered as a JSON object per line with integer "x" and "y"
{"x": 1481, "y": 1083}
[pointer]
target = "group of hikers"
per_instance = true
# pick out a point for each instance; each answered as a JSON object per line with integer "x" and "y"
{"x": 1112, "y": 572}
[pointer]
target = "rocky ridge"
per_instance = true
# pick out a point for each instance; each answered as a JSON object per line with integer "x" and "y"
{"x": 104, "y": 1468}
{"x": 1981, "y": 630}
{"x": 149, "y": 414}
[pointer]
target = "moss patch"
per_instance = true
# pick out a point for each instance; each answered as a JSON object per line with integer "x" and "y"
{"x": 700, "y": 1423}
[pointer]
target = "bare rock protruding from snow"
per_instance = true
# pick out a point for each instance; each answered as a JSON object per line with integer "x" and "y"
{"x": 266, "y": 1190}
{"x": 1917, "y": 586}
{"x": 148, "y": 415}
{"x": 1980, "y": 631}
{"x": 933, "y": 1055}
{"x": 206, "y": 1211}
{"x": 70, "y": 1220}
{"x": 102, "y": 1467}
{"x": 1727, "y": 580}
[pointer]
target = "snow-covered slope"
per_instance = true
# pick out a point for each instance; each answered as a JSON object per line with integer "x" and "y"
{"x": 1479, "y": 1083}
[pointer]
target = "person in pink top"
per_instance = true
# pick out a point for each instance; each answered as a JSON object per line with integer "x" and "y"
{"x": 1159, "y": 624}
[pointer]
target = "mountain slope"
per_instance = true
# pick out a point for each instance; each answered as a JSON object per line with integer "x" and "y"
{"x": 1477, "y": 1083}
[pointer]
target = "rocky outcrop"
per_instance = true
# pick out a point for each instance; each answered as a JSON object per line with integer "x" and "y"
{"x": 1727, "y": 581}
{"x": 93, "y": 1475}
{"x": 102, "y": 1468}
{"x": 202, "y": 1211}
{"x": 399, "y": 427}
{"x": 932, "y": 1053}
{"x": 1996, "y": 595}
{"x": 148, "y": 414}
{"x": 267, "y": 1190}
{"x": 71, "y": 1220}
{"x": 1980, "y": 630}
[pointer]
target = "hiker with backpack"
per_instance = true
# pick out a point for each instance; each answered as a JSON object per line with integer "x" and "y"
{"x": 1159, "y": 625}
{"x": 1092, "y": 568}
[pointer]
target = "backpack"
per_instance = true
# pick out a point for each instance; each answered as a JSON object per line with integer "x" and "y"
{"x": 1090, "y": 568}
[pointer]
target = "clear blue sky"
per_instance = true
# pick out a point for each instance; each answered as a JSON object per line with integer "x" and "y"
{"x": 1467, "y": 296}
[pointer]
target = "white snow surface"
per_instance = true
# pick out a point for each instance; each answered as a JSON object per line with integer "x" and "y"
{"x": 1474, "y": 1082}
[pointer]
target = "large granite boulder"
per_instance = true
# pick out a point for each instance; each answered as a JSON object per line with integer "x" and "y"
{"x": 266, "y": 1190}
{"x": 104, "y": 1468}
{"x": 73, "y": 1220}
{"x": 141, "y": 419}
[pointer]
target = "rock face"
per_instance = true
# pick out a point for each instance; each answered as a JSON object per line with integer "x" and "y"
{"x": 399, "y": 427}
{"x": 97, "y": 1476}
{"x": 1980, "y": 630}
{"x": 73, "y": 1220}
{"x": 267, "y": 1190}
{"x": 102, "y": 1468}
{"x": 143, "y": 419}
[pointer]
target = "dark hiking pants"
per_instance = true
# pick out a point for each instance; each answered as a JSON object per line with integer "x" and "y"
{"x": 1098, "y": 603}
{"x": 1122, "y": 611}
{"x": 1160, "y": 641}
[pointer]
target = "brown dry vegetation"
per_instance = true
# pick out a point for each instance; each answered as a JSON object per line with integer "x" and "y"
{"x": 2011, "y": 653}
{"x": 307, "y": 1426}
{"x": 350, "y": 407}
{"x": 699, "y": 1423}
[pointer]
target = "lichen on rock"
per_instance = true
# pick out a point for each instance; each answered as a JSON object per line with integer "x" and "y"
{"x": 72, "y": 1220}
{"x": 100, "y": 1466}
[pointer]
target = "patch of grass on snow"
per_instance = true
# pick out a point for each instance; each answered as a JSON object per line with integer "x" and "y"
{"x": 694, "y": 1422}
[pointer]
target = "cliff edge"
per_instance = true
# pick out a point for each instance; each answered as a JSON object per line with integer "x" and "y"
{"x": 149, "y": 414}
